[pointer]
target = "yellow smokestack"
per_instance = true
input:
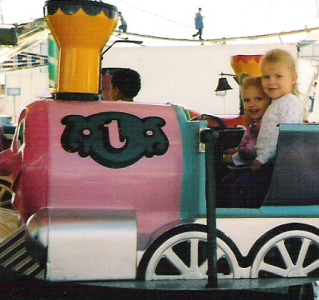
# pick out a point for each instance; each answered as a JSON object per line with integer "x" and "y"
{"x": 81, "y": 29}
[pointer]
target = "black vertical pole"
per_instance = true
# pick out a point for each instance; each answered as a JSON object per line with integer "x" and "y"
{"x": 208, "y": 137}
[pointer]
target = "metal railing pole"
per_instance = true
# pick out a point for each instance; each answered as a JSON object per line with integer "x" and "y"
{"x": 208, "y": 137}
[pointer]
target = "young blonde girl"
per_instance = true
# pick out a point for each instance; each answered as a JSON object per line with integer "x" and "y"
{"x": 246, "y": 188}
{"x": 279, "y": 80}
{"x": 255, "y": 103}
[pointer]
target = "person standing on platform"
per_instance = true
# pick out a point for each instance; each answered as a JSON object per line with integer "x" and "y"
{"x": 123, "y": 25}
{"x": 199, "y": 24}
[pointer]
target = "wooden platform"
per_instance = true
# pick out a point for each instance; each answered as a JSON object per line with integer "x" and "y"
{"x": 9, "y": 222}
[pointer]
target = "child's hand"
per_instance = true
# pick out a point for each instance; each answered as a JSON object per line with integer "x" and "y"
{"x": 227, "y": 159}
{"x": 231, "y": 151}
{"x": 256, "y": 165}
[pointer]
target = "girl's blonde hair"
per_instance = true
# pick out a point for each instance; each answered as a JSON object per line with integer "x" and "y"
{"x": 283, "y": 56}
{"x": 246, "y": 81}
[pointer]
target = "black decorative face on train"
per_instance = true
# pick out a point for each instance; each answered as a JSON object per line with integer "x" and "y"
{"x": 90, "y": 136}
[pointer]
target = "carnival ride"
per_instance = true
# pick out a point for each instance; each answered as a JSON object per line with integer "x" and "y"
{"x": 121, "y": 192}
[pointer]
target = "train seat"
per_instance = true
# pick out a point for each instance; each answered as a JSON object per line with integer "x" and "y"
{"x": 294, "y": 180}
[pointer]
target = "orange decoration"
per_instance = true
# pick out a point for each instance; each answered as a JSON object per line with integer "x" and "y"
{"x": 246, "y": 64}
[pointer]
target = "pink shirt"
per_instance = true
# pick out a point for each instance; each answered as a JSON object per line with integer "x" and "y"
{"x": 247, "y": 147}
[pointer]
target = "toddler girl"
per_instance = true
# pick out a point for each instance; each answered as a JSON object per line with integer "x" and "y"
{"x": 245, "y": 188}
{"x": 279, "y": 80}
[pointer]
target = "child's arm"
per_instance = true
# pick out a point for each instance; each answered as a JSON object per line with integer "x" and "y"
{"x": 267, "y": 139}
{"x": 227, "y": 158}
{"x": 256, "y": 165}
{"x": 287, "y": 110}
{"x": 238, "y": 161}
{"x": 234, "y": 159}
{"x": 231, "y": 151}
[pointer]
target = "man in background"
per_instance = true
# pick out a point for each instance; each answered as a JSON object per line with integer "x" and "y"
{"x": 199, "y": 24}
{"x": 125, "y": 85}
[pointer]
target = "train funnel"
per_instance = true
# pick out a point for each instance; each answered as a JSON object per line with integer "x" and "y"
{"x": 81, "y": 29}
{"x": 248, "y": 64}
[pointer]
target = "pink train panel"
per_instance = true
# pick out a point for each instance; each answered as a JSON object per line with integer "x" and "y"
{"x": 102, "y": 155}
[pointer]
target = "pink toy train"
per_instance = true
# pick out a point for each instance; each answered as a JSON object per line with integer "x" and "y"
{"x": 116, "y": 191}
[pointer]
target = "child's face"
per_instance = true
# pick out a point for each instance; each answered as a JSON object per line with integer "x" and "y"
{"x": 277, "y": 79}
{"x": 255, "y": 102}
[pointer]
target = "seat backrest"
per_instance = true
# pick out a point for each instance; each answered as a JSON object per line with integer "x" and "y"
{"x": 228, "y": 138}
{"x": 296, "y": 173}
{"x": 213, "y": 121}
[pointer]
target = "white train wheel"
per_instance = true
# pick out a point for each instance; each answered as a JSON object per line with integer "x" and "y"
{"x": 292, "y": 253}
{"x": 289, "y": 254}
{"x": 184, "y": 256}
